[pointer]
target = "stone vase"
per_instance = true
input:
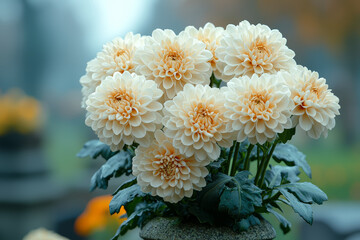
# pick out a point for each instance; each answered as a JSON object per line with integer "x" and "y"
{"x": 171, "y": 229}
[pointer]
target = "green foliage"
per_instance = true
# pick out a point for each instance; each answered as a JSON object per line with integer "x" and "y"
{"x": 230, "y": 201}
{"x": 230, "y": 198}
{"x": 286, "y": 135}
{"x": 306, "y": 192}
{"x": 208, "y": 199}
{"x": 280, "y": 174}
{"x": 250, "y": 194}
{"x": 117, "y": 165}
{"x": 95, "y": 148}
{"x": 124, "y": 196}
{"x": 291, "y": 156}
{"x": 245, "y": 223}
{"x": 285, "y": 225}
{"x": 283, "y": 180}
{"x": 126, "y": 184}
{"x": 303, "y": 209}
{"x": 143, "y": 212}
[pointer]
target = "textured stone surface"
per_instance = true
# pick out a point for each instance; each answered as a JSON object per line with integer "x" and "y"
{"x": 170, "y": 229}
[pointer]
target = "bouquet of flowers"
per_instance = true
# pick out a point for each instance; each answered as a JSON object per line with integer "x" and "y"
{"x": 196, "y": 119}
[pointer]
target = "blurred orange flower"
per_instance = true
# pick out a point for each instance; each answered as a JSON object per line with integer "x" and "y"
{"x": 97, "y": 216}
{"x": 19, "y": 112}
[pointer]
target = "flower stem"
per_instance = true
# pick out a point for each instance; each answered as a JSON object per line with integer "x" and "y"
{"x": 265, "y": 163}
{"x": 258, "y": 158}
{"x": 214, "y": 81}
{"x": 233, "y": 158}
{"x": 260, "y": 162}
{"x": 227, "y": 163}
{"x": 247, "y": 159}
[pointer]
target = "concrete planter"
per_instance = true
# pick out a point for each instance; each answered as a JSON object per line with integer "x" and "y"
{"x": 170, "y": 229}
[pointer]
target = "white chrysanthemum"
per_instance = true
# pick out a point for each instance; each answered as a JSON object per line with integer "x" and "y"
{"x": 116, "y": 56}
{"x": 259, "y": 107}
{"x": 195, "y": 120}
{"x": 124, "y": 109}
{"x": 172, "y": 61}
{"x": 161, "y": 170}
{"x": 211, "y": 36}
{"x": 247, "y": 49}
{"x": 315, "y": 105}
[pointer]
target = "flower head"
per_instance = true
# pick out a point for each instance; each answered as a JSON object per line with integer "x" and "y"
{"x": 116, "y": 56}
{"x": 211, "y": 36}
{"x": 247, "y": 49}
{"x": 124, "y": 109}
{"x": 172, "y": 61}
{"x": 315, "y": 105}
{"x": 161, "y": 170}
{"x": 259, "y": 107}
{"x": 195, "y": 120}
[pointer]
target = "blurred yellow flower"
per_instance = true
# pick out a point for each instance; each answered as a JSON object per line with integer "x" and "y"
{"x": 19, "y": 113}
{"x": 97, "y": 216}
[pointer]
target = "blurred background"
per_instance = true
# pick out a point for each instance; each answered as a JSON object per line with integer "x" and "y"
{"x": 44, "y": 48}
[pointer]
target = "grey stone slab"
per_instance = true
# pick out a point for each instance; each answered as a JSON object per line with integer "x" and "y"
{"x": 170, "y": 229}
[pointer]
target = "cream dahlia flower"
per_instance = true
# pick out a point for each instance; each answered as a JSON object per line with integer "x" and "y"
{"x": 247, "y": 49}
{"x": 315, "y": 105}
{"x": 259, "y": 107}
{"x": 43, "y": 234}
{"x": 163, "y": 171}
{"x": 195, "y": 120}
{"x": 116, "y": 56}
{"x": 211, "y": 36}
{"x": 172, "y": 61}
{"x": 124, "y": 109}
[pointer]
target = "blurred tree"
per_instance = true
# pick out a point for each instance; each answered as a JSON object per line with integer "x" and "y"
{"x": 34, "y": 49}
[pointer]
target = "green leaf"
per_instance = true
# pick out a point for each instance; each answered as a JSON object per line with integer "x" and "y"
{"x": 227, "y": 199}
{"x": 95, "y": 148}
{"x": 245, "y": 223}
{"x": 291, "y": 156}
{"x": 209, "y": 196}
{"x": 277, "y": 174}
{"x": 285, "y": 225}
{"x": 303, "y": 209}
{"x": 125, "y": 196}
{"x": 306, "y": 192}
{"x": 217, "y": 163}
{"x": 207, "y": 201}
{"x": 230, "y": 202}
{"x": 202, "y": 215}
{"x": 143, "y": 212}
{"x": 126, "y": 184}
{"x": 120, "y": 163}
{"x": 250, "y": 194}
{"x": 286, "y": 135}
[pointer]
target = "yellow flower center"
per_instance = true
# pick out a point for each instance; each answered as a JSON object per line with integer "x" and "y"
{"x": 257, "y": 99}
{"x": 122, "y": 102}
{"x": 119, "y": 52}
{"x": 168, "y": 165}
{"x": 257, "y": 103}
{"x": 261, "y": 50}
{"x": 173, "y": 56}
{"x": 203, "y": 117}
{"x": 314, "y": 90}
